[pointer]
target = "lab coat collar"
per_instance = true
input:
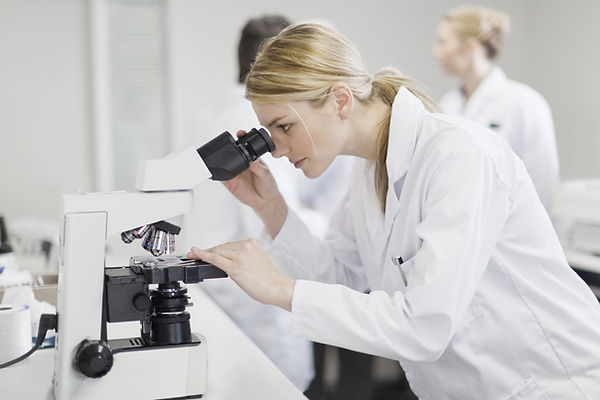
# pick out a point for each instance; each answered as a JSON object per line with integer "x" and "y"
{"x": 405, "y": 122}
{"x": 488, "y": 87}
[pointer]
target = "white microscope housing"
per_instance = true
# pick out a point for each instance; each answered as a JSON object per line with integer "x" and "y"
{"x": 164, "y": 191}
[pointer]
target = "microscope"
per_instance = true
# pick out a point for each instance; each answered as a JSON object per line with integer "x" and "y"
{"x": 166, "y": 360}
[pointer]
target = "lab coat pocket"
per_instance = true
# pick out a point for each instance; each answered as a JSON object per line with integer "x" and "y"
{"x": 402, "y": 269}
{"x": 529, "y": 390}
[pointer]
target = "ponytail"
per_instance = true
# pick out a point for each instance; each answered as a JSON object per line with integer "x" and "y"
{"x": 386, "y": 84}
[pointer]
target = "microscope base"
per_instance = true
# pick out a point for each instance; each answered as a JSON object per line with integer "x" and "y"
{"x": 169, "y": 372}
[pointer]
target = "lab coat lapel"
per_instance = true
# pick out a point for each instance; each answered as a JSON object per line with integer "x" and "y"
{"x": 405, "y": 122}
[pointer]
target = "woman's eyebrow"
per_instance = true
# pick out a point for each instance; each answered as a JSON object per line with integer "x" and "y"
{"x": 274, "y": 121}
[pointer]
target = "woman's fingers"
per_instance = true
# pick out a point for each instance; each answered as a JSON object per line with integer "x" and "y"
{"x": 247, "y": 263}
{"x": 225, "y": 250}
{"x": 229, "y": 250}
{"x": 259, "y": 167}
{"x": 211, "y": 257}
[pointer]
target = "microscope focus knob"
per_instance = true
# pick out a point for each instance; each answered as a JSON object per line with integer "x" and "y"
{"x": 142, "y": 302}
{"x": 94, "y": 358}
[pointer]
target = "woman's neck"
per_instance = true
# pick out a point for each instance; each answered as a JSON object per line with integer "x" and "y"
{"x": 365, "y": 124}
{"x": 477, "y": 72}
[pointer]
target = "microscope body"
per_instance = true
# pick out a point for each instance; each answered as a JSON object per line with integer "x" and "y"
{"x": 161, "y": 372}
{"x": 89, "y": 366}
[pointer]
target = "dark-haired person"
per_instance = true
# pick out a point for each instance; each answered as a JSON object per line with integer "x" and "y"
{"x": 218, "y": 217}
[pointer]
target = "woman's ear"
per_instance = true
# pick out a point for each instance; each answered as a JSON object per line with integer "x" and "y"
{"x": 343, "y": 99}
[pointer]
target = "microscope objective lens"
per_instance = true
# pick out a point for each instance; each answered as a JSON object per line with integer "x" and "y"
{"x": 127, "y": 237}
{"x": 170, "y": 247}
{"x": 141, "y": 231}
{"x": 159, "y": 242}
{"x": 157, "y": 238}
{"x": 148, "y": 239}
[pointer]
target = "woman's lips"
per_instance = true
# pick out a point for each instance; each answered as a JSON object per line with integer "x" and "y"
{"x": 298, "y": 164}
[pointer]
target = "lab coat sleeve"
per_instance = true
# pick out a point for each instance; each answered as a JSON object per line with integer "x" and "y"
{"x": 463, "y": 213}
{"x": 299, "y": 254}
{"x": 537, "y": 145}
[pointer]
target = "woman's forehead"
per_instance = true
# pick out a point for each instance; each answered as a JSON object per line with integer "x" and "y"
{"x": 281, "y": 108}
{"x": 445, "y": 28}
{"x": 270, "y": 113}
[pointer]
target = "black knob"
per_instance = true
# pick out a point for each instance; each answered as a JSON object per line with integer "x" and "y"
{"x": 142, "y": 302}
{"x": 94, "y": 358}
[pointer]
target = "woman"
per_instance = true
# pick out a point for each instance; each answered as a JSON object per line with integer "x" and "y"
{"x": 441, "y": 256}
{"x": 469, "y": 39}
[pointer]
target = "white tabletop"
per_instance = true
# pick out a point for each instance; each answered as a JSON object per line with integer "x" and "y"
{"x": 236, "y": 367}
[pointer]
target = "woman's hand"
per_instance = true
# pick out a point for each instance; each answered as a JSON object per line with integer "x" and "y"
{"x": 247, "y": 263}
{"x": 257, "y": 188}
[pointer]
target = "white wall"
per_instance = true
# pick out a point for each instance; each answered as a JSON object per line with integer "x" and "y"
{"x": 45, "y": 119}
{"x": 399, "y": 33}
{"x": 45, "y": 140}
{"x": 565, "y": 67}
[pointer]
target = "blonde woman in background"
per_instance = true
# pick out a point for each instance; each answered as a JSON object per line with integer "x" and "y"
{"x": 469, "y": 39}
{"x": 442, "y": 256}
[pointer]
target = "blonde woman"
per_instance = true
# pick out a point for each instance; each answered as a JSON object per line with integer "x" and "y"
{"x": 441, "y": 257}
{"x": 469, "y": 39}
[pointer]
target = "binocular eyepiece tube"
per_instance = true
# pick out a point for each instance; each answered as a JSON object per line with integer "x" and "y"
{"x": 227, "y": 158}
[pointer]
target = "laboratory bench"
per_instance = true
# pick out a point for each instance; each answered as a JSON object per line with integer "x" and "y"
{"x": 237, "y": 368}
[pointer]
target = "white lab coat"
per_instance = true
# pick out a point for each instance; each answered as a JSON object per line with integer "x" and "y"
{"x": 483, "y": 306}
{"x": 218, "y": 218}
{"x": 521, "y": 116}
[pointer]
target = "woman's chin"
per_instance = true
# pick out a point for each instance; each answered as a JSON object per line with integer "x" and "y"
{"x": 311, "y": 173}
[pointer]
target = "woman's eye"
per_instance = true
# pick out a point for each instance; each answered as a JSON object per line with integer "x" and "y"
{"x": 285, "y": 127}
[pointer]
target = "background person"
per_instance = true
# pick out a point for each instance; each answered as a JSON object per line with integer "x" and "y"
{"x": 218, "y": 217}
{"x": 469, "y": 39}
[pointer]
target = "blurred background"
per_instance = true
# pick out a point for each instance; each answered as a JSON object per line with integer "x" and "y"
{"x": 88, "y": 88}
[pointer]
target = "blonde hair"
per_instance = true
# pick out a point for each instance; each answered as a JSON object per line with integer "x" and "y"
{"x": 304, "y": 61}
{"x": 487, "y": 25}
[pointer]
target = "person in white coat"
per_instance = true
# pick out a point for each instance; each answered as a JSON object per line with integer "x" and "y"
{"x": 218, "y": 217}
{"x": 468, "y": 287}
{"x": 469, "y": 39}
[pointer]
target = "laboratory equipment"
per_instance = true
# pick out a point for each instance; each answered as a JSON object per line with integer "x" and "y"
{"x": 576, "y": 218}
{"x": 166, "y": 360}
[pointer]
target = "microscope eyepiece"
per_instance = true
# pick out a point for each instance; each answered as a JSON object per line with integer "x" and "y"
{"x": 256, "y": 142}
{"x": 227, "y": 158}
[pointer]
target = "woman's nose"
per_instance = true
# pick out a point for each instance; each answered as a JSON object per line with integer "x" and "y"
{"x": 280, "y": 148}
{"x": 277, "y": 152}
